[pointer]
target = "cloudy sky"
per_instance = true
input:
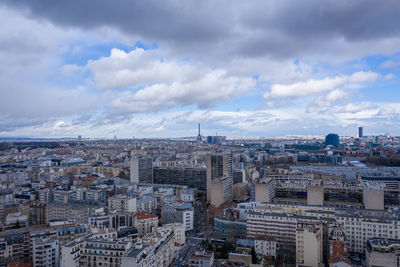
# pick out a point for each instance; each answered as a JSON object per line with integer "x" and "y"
{"x": 100, "y": 68}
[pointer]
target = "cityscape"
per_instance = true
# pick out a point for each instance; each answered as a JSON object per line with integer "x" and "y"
{"x": 201, "y": 201}
{"x": 187, "y": 133}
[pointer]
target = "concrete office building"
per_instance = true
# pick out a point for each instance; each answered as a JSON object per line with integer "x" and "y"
{"x": 178, "y": 213}
{"x": 265, "y": 190}
{"x": 221, "y": 191}
{"x": 141, "y": 169}
{"x": 218, "y": 165}
{"x": 194, "y": 177}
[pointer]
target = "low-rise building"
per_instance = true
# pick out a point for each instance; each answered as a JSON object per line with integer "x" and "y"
{"x": 145, "y": 223}
{"x": 383, "y": 252}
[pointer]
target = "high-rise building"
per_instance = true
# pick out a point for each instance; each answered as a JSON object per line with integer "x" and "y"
{"x": 218, "y": 166}
{"x": 141, "y": 169}
{"x": 360, "y": 132}
{"x": 332, "y": 139}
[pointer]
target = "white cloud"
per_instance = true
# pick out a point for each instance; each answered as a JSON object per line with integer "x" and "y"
{"x": 312, "y": 87}
{"x": 163, "y": 83}
{"x": 354, "y": 108}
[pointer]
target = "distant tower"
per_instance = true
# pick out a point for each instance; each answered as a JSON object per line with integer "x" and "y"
{"x": 199, "y": 135}
{"x": 360, "y": 132}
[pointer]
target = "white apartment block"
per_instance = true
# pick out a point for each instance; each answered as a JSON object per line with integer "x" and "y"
{"x": 155, "y": 249}
{"x": 45, "y": 252}
{"x": 179, "y": 231}
{"x": 122, "y": 203}
{"x": 265, "y": 247}
{"x": 147, "y": 205}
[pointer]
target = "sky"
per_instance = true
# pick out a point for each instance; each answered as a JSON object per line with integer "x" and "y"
{"x": 157, "y": 68}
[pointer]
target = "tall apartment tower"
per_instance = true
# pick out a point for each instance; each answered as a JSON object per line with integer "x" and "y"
{"x": 360, "y": 132}
{"x": 218, "y": 166}
{"x": 141, "y": 169}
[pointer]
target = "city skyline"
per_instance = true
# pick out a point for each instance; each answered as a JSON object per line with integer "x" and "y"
{"x": 239, "y": 69}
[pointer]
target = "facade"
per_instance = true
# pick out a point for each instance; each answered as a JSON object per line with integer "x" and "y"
{"x": 264, "y": 190}
{"x": 76, "y": 213}
{"x": 338, "y": 251}
{"x": 332, "y": 139}
{"x": 218, "y": 165}
{"x": 179, "y": 213}
{"x": 15, "y": 247}
{"x": 99, "y": 248}
{"x": 373, "y": 197}
{"x": 315, "y": 194}
{"x": 360, "y": 132}
{"x": 37, "y": 213}
{"x": 265, "y": 246}
{"x": 309, "y": 245}
{"x": 194, "y": 177}
{"x": 141, "y": 169}
{"x": 187, "y": 195}
{"x": 146, "y": 205}
{"x": 45, "y": 252}
{"x": 122, "y": 203}
{"x": 179, "y": 232}
{"x": 239, "y": 176}
{"x": 221, "y": 191}
{"x": 145, "y": 223}
{"x": 155, "y": 249}
{"x": 229, "y": 230}
{"x": 383, "y": 252}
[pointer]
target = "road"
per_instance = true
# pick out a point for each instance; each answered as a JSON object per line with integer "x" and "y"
{"x": 252, "y": 190}
{"x": 194, "y": 238}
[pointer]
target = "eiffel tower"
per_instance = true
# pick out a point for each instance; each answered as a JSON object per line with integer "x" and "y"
{"x": 199, "y": 135}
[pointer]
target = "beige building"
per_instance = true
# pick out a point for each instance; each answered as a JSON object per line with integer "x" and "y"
{"x": 373, "y": 196}
{"x": 265, "y": 190}
{"x": 315, "y": 194}
{"x": 145, "y": 223}
{"x": 309, "y": 245}
{"x": 218, "y": 165}
{"x": 221, "y": 191}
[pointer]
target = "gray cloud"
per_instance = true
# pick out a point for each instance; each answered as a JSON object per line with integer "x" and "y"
{"x": 228, "y": 28}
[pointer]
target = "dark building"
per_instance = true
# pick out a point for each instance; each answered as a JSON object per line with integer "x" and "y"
{"x": 195, "y": 177}
{"x": 215, "y": 139}
{"x": 360, "y": 132}
{"x": 237, "y": 176}
{"x": 332, "y": 139}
